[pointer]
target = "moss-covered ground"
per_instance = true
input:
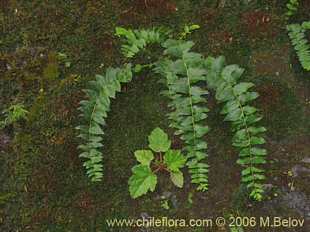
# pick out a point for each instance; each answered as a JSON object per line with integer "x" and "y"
{"x": 48, "y": 52}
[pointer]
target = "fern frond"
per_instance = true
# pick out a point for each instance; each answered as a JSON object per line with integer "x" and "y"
{"x": 93, "y": 112}
{"x": 136, "y": 40}
{"x": 292, "y": 7}
{"x": 300, "y": 42}
{"x": 183, "y": 75}
{"x": 236, "y": 97}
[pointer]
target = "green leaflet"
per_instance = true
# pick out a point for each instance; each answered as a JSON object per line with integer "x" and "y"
{"x": 242, "y": 88}
{"x": 298, "y": 38}
{"x": 93, "y": 112}
{"x": 214, "y": 67}
{"x": 188, "y": 29}
{"x": 235, "y": 96}
{"x": 177, "y": 48}
{"x": 183, "y": 75}
{"x": 177, "y": 178}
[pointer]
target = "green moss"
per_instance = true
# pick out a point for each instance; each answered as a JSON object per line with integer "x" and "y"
{"x": 282, "y": 110}
{"x": 25, "y": 153}
{"x": 5, "y": 197}
{"x": 51, "y": 71}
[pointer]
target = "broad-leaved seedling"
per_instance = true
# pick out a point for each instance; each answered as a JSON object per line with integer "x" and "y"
{"x": 159, "y": 157}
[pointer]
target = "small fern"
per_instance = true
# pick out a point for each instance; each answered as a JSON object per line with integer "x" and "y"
{"x": 292, "y": 7}
{"x": 187, "y": 104}
{"x": 136, "y": 40}
{"x": 13, "y": 114}
{"x": 300, "y": 42}
{"x": 247, "y": 137}
{"x": 94, "y": 111}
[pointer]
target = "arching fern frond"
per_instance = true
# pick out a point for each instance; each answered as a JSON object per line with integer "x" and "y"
{"x": 137, "y": 40}
{"x": 183, "y": 75}
{"x": 247, "y": 135}
{"x": 94, "y": 111}
{"x": 298, "y": 38}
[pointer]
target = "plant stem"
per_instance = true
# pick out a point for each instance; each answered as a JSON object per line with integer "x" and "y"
{"x": 190, "y": 99}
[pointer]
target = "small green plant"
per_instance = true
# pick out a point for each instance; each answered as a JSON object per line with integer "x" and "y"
{"x": 144, "y": 177}
{"x": 165, "y": 204}
{"x": 190, "y": 200}
{"x": 188, "y": 29}
{"x": 297, "y": 34}
{"x": 292, "y": 7}
{"x": 63, "y": 58}
{"x": 13, "y": 114}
